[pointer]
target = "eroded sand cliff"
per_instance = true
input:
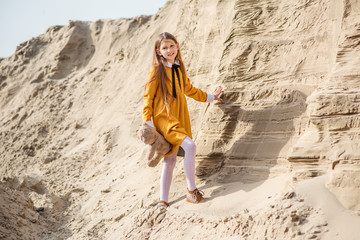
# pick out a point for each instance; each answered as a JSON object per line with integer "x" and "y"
{"x": 277, "y": 159}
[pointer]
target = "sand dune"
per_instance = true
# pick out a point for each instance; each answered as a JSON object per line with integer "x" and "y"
{"x": 278, "y": 158}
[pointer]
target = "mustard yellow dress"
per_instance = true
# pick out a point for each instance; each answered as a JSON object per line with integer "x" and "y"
{"x": 175, "y": 125}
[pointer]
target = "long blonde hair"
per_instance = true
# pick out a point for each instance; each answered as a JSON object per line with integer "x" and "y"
{"x": 159, "y": 63}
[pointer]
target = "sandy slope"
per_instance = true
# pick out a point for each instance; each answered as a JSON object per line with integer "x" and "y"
{"x": 277, "y": 159}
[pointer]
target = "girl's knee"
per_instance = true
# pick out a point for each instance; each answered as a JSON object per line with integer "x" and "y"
{"x": 170, "y": 161}
{"x": 189, "y": 145}
{"x": 192, "y": 146}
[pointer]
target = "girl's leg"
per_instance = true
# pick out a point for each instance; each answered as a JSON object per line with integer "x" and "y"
{"x": 166, "y": 176}
{"x": 189, "y": 162}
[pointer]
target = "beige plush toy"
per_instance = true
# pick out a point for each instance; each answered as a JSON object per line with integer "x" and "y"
{"x": 158, "y": 146}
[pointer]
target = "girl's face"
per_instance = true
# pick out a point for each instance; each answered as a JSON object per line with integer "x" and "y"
{"x": 168, "y": 49}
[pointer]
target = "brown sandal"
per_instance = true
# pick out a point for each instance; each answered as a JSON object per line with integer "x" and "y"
{"x": 162, "y": 204}
{"x": 195, "y": 196}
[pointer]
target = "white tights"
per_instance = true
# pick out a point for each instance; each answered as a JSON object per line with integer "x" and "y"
{"x": 169, "y": 164}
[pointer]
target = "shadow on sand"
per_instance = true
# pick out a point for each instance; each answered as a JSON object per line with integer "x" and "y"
{"x": 261, "y": 135}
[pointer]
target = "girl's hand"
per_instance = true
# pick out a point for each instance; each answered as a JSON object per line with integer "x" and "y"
{"x": 217, "y": 94}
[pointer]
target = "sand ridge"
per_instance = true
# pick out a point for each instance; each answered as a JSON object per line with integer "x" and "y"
{"x": 271, "y": 157}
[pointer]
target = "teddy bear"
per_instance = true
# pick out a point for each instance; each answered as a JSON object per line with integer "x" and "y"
{"x": 158, "y": 146}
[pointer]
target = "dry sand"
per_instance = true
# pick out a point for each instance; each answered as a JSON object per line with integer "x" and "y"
{"x": 277, "y": 159}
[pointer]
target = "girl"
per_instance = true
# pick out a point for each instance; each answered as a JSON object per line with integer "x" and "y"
{"x": 165, "y": 108}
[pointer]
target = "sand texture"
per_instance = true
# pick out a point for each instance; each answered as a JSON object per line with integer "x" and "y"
{"x": 278, "y": 158}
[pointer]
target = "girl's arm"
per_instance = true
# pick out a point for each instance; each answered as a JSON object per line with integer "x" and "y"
{"x": 149, "y": 95}
{"x": 196, "y": 93}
